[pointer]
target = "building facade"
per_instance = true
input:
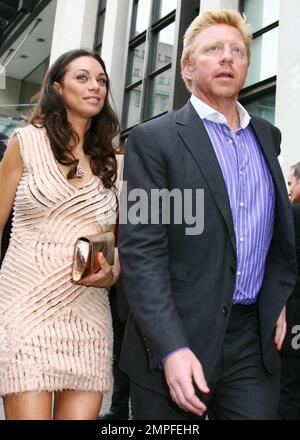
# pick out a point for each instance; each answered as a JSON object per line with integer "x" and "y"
{"x": 141, "y": 43}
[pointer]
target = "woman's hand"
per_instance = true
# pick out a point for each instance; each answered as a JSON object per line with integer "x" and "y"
{"x": 106, "y": 276}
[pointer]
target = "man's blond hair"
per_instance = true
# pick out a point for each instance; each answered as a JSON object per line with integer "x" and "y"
{"x": 209, "y": 18}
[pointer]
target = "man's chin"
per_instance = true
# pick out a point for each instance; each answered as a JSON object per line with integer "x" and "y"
{"x": 226, "y": 92}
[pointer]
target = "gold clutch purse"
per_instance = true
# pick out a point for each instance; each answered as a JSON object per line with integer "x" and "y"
{"x": 87, "y": 249}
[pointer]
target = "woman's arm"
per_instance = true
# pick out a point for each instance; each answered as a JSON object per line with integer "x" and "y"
{"x": 11, "y": 169}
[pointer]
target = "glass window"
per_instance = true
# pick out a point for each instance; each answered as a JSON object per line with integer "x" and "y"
{"x": 160, "y": 91}
{"x": 142, "y": 16}
{"x": 261, "y": 13}
{"x": 100, "y": 26}
{"x": 166, "y": 6}
{"x": 263, "y": 106}
{"x": 164, "y": 46}
{"x": 99, "y": 30}
{"x": 132, "y": 107}
{"x": 136, "y": 66}
{"x": 264, "y": 57}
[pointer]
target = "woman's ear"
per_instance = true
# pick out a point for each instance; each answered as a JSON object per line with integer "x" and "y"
{"x": 56, "y": 86}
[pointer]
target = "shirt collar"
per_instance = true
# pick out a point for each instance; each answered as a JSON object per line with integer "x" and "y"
{"x": 209, "y": 113}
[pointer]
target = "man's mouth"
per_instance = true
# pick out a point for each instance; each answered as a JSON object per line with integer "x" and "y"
{"x": 225, "y": 75}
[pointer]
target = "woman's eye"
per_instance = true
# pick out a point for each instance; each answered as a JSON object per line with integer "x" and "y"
{"x": 102, "y": 81}
{"x": 81, "y": 77}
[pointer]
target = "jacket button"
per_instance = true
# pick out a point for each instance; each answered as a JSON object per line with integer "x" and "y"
{"x": 225, "y": 310}
{"x": 233, "y": 270}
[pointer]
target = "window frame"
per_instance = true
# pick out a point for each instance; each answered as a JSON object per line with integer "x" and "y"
{"x": 98, "y": 40}
{"x": 265, "y": 86}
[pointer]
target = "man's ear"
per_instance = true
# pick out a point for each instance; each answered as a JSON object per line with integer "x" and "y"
{"x": 56, "y": 86}
{"x": 186, "y": 69}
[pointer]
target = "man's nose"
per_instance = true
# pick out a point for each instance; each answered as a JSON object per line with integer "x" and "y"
{"x": 226, "y": 55}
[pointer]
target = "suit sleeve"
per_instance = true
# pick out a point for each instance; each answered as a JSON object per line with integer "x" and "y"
{"x": 143, "y": 247}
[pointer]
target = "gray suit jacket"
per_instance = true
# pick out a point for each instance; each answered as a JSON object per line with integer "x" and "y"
{"x": 179, "y": 287}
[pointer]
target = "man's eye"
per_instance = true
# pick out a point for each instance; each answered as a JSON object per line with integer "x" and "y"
{"x": 213, "y": 48}
{"x": 237, "y": 50}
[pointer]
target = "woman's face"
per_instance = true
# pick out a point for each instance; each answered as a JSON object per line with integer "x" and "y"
{"x": 83, "y": 88}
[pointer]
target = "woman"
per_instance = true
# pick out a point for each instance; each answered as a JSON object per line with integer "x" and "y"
{"x": 60, "y": 173}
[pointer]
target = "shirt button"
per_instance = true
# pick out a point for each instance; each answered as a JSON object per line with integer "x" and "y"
{"x": 239, "y": 273}
{"x": 242, "y": 239}
{"x": 242, "y": 205}
{"x": 230, "y": 141}
{"x": 241, "y": 173}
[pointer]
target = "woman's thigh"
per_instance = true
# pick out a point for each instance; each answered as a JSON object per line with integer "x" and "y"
{"x": 77, "y": 405}
{"x": 28, "y": 406}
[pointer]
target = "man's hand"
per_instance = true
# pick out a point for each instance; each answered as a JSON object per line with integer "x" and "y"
{"x": 280, "y": 331}
{"x": 183, "y": 372}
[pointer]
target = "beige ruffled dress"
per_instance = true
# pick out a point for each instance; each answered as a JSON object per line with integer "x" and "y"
{"x": 54, "y": 334}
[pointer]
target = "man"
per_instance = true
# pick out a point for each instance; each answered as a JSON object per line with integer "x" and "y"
{"x": 290, "y": 370}
{"x": 207, "y": 310}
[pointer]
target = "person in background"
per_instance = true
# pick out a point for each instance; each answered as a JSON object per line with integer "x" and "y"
{"x": 7, "y": 227}
{"x": 289, "y": 408}
{"x": 60, "y": 174}
{"x": 207, "y": 304}
{"x": 119, "y": 408}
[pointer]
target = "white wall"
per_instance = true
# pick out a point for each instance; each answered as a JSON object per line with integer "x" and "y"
{"x": 74, "y": 26}
{"x": 11, "y": 93}
{"x": 115, "y": 46}
{"x": 212, "y": 4}
{"x": 288, "y": 83}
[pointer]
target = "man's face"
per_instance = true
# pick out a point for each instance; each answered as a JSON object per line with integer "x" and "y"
{"x": 294, "y": 188}
{"x": 218, "y": 65}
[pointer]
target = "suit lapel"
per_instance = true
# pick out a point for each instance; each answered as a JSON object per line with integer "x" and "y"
{"x": 266, "y": 142}
{"x": 194, "y": 136}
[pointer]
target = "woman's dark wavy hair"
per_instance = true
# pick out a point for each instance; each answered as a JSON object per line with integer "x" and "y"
{"x": 51, "y": 113}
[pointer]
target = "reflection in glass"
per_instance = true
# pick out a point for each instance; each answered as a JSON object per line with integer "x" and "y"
{"x": 261, "y": 13}
{"x": 136, "y": 66}
{"x": 264, "y": 57}
{"x": 142, "y": 18}
{"x": 164, "y": 48}
{"x": 167, "y": 6}
{"x": 160, "y": 93}
{"x": 133, "y": 107}
{"x": 263, "y": 106}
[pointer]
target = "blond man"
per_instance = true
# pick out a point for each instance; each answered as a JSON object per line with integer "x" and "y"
{"x": 207, "y": 309}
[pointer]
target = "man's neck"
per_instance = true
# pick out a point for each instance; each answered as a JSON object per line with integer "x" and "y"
{"x": 227, "y": 107}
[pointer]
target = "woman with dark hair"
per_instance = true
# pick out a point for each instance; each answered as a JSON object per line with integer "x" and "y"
{"x": 60, "y": 174}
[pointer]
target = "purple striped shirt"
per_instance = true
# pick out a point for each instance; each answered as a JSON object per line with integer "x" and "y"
{"x": 252, "y": 199}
